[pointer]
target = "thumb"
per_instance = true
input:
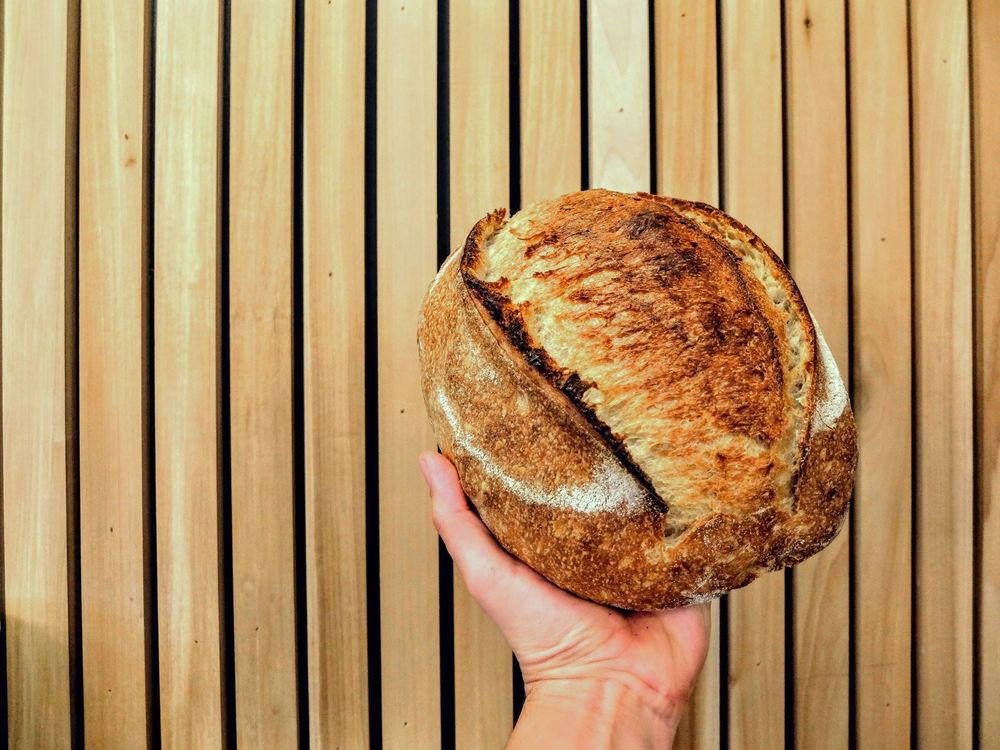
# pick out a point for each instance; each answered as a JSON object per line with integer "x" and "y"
{"x": 488, "y": 571}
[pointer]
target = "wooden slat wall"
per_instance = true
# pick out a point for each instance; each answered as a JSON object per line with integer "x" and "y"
{"x": 881, "y": 274}
{"x": 478, "y": 181}
{"x": 114, "y": 447}
{"x": 687, "y": 150}
{"x": 939, "y": 82}
{"x": 186, "y": 365}
{"x": 618, "y": 65}
{"x": 260, "y": 350}
{"x": 333, "y": 205}
{"x": 753, "y": 192}
{"x": 816, "y": 217}
{"x": 986, "y": 273}
{"x": 406, "y": 179}
{"x": 214, "y": 532}
{"x": 38, "y": 249}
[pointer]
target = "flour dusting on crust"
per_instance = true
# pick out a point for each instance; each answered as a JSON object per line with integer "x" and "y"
{"x": 611, "y": 489}
{"x": 832, "y": 394}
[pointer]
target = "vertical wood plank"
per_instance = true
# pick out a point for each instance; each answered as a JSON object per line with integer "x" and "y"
{"x": 618, "y": 72}
{"x": 816, "y": 156}
{"x": 943, "y": 320}
{"x": 880, "y": 220}
{"x": 687, "y": 108}
{"x": 186, "y": 329}
{"x": 407, "y": 251}
{"x": 113, "y": 451}
{"x": 479, "y": 117}
{"x": 550, "y": 100}
{"x": 687, "y": 152}
{"x": 986, "y": 141}
{"x": 36, "y": 243}
{"x": 334, "y": 348}
{"x": 753, "y": 177}
{"x": 260, "y": 319}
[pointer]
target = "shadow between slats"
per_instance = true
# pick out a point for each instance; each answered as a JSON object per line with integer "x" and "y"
{"x": 372, "y": 553}
{"x": 225, "y": 513}
{"x": 298, "y": 381}
{"x": 150, "y": 604}
{"x": 72, "y": 360}
{"x": 446, "y": 620}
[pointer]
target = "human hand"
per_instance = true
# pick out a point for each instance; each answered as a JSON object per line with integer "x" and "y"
{"x": 618, "y": 678}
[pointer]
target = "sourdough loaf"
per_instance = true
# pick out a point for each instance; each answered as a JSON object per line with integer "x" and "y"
{"x": 637, "y": 400}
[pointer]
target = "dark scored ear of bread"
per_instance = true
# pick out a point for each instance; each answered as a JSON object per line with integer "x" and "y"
{"x": 637, "y": 400}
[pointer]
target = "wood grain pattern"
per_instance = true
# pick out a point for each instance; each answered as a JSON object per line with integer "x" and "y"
{"x": 260, "y": 326}
{"x": 114, "y": 481}
{"x": 986, "y": 182}
{"x": 186, "y": 329}
{"x": 479, "y": 118}
{"x": 618, "y": 72}
{"x": 406, "y": 167}
{"x": 943, "y": 320}
{"x": 687, "y": 149}
{"x": 551, "y": 159}
{"x": 816, "y": 159}
{"x": 753, "y": 177}
{"x": 687, "y": 107}
{"x": 37, "y": 241}
{"x": 880, "y": 211}
{"x": 334, "y": 372}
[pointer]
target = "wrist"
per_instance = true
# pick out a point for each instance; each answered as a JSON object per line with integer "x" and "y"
{"x": 596, "y": 713}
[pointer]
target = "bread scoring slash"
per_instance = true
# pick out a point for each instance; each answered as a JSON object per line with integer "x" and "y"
{"x": 639, "y": 404}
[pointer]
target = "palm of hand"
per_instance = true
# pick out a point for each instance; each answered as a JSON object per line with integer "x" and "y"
{"x": 555, "y": 635}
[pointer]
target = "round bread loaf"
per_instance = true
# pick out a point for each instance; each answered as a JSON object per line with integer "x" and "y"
{"x": 637, "y": 400}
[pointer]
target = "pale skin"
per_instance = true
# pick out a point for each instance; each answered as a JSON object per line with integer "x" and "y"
{"x": 594, "y": 676}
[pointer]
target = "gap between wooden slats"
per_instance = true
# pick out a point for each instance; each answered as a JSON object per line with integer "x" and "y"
{"x": 687, "y": 166}
{"x": 406, "y": 207}
{"x": 334, "y": 308}
{"x": 939, "y": 88}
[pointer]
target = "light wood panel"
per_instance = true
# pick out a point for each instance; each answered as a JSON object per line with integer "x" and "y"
{"x": 260, "y": 330}
{"x": 114, "y": 481}
{"x": 687, "y": 107}
{"x": 687, "y": 150}
{"x": 986, "y": 182}
{"x": 406, "y": 177}
{"x": 618, "y": 75}
{"x": 943, "y": 256}
{"x": 816, "y": 159}
{"x": 479, "y": 134}
{"x": 186, "y": 362}
{"x": 37, "y": 241}
{"x": 334, "y": 372}
{"x": 550, "y": 100}
{"x": 752, "y": 130}
{"x": 880, "y": 241}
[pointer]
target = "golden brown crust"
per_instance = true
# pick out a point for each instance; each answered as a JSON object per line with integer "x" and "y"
{"x": 560, "y": 493}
